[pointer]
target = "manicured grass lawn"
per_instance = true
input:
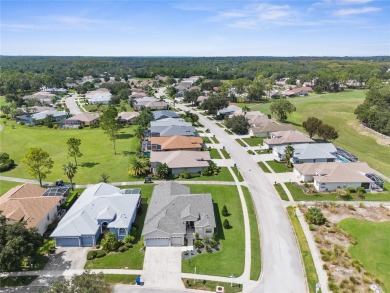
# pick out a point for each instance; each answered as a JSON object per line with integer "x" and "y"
{"x": 216, "y": 141}
{"x": 211, "y": 285}
{"x": 264, "y": 167}
{"x": 253, "y": 141}
{"x": 372, "y": 247}
{"x": 337, "y": 110}
{"x": 98, "y": 154}
{"x": 220, "y": 125}
{"x": 239, "y": 140}
{"x": 238, "y": 174}
{"x": 298, "y": 194}
{"x": 7, "y": 185}
{"x": 230, "y": 259}
{"x": 214, "y": 154}
{"x": 225, "y": 154}
{"x": 279, "y": 167}
{"x": 120, "y": 279}
{"x": 311, "y": 273}
{"x": 228, "y": 131}
{"x": 281, "y": 191}
{"x": 16, "y": 281}
{"x": 133, "y": 258}
{"x": 223, "y": 175}
{"x": 255, "y": 237}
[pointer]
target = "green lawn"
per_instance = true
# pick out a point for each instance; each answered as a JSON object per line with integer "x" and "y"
{"x": 255, "y": 237}
{"x": 372, "y": 247}
{"x": 120, "y": 279}
{"x": 311, "y": 273}
{"x": 95, "y": 145}
{"x": 7, "y": 185}
{"x": 230, "y": 259}
{"x": 133, "y": 258}
{"x": 298, "y": 195}
{"x": 211, "y": 285}
{"x": 279, "y": 167}
{"x": 223, "y": 175}
{"x": 220, "y": 125}
{"x": 281, "y": 192}
{"x": 215, "y": 140}
{"x": 225, "y": 154}
{"x": 16, "y": 281}
{"x": 214, "y": 154}
{"x": 337, "y": 110}
{"x": 254, "y": 141}
{"x": 228, "y": 131}
{"x": 238, "y": 174}
{"x": 239, "y": 140}
{"x": 264, "y": 167}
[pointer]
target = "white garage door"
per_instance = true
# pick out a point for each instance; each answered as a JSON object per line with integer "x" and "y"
{"x": 177, "y": 241}
{"x": 156, "y": 242}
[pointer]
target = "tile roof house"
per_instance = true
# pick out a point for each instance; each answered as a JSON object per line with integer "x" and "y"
{"x": 43, "y": 97}
{"x": 100, "y": 208}
{"x": 262, "y": 127}
{"x": 229, "y": 110}
{"x": 84, "y": 119}
{"x": 286, "y": 137}
{"x": 174, "y": 214}
{"x": 27, "y": 203}
{"x": 179, "y": 161}
{"x": 157, "y": 115}
{"x": 99, "y": 96}
{"x": 308, "y": 153}
{"x": 334, "y": 175}
{"x": 29, "y": 119}
{"x": 173, "y": 143}
{"x": 172, "y": 130}
{"x": 128, "y": 117}
{"x": 158, "y": 105}
{"x": 170, "y": 122}
{"x": 201, "y": 99}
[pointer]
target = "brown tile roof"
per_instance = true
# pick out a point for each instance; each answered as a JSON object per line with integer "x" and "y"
{"x": 336, "y": 171}
{"x": 287, "y": 137}
{"x": 84, "y": 117}
{"x": 25, "y": 202}
{"x": 266, "y": 125}
{"x": 128, "y": 115}
{"x": 177, "y": 142}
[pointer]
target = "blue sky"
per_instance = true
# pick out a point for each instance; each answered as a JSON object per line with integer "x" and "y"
{"x": 196, "y": 28}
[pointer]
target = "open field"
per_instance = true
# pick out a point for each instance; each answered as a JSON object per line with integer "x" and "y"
{"x": 372, "y": 247}
{"x": 337, "y": 110}
{"x": 6, "y": 185}
{"x": 230, "y": 259}
{"x": 98, "y": 153}
{"x": 311, "y": 273}
{"x": 255, "y": 237}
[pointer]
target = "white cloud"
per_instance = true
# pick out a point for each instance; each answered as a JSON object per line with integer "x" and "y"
{"x": 354, "y": 11}
{"x": 256, "y": 15}
{"x": 355, "y": 1}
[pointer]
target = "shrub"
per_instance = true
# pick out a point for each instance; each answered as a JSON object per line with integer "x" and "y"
{"x": 225, "y": 212}
{"x": 198, "y": 244}
{"x": 351, "y": 189}
{"x": 5, "y": 162}
{"x": 97, "y": 246}
{"x": 315, "y": 216}
{"x": 100, "y": 253}
{"x": 213, "y": 244}
{"x": 3, "y": 116}
{"x": 226, "y": 224}
{"x": 129, "y": 245}
{"x": 186, "y": 174}
{"x": 55, "y": 126}
{"x": 81, "y": 127}
{"x": 123, "y": 249}
{"x": 312, "y": 227}
{"x": 208, "y": 249}
{"x": 110, "y": 242}
{"x": 128, "y": 239}
{"x": 196, "y": 235}
{"x": 199, "y": 251}
{"x": 133, "y": 231}
{"x": 91, "y": 254}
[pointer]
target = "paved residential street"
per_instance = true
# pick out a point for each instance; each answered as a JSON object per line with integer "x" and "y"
{"x": 282, "y": 270}
{"x": 72, "y": 105}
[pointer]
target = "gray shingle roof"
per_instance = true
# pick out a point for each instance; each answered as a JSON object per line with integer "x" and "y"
{"x": 173, "y": 130}
{"x": 171, "y": 203}
{"x": 170, "y": 122}
{"x": 157, "y": 115}
{"x": 307, "y": 151}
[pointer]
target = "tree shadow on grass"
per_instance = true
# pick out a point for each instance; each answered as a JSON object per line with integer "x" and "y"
{"x": 125, "y": 136}
{"x": 220, "y": 233}
{"x": 128, "y": 153}
{"x": 293, "y": 123}
{"x": 89, "y": 164}
{"x": 140, "y": 219}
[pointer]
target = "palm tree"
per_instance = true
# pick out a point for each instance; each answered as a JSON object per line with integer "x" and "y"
{"x": 288, "y": 153}
{"x": 140, "y": 132}
{"x": 70, "y": 171}
{"x": 138, "y": 167}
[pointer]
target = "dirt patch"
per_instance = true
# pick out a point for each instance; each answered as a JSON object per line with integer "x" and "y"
{"x": 379, "y": 138}
{"x": 344, "y": 274}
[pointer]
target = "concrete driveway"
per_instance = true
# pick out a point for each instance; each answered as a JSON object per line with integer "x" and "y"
{"x": 162, "y": 268}
{"x": 68, "y": 258}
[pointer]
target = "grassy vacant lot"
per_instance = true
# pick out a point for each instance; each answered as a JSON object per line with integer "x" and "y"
{"x": 253, "y": 141}
{"x": 264, "y": 167}
{"x": 211, "y": 285}
{"x": 281, "y": 191}
{"x": 214, "y": 154}
{"x": 97, "y": 149}
{"x": 7, "y": 185}
{"x": 337, "y": 110}
{"x": 133, "y": 258}
{"x": 255, "y": 237}
{"x": 120, "y": 279}
{"x": 372, "y": 247}
{"x": 298, "y": 195}
{"x": 311, "y": 273}
{"x": 16, "y": 281}
{"x": 279, "y": 167}
{"x": 230, "y": 259}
